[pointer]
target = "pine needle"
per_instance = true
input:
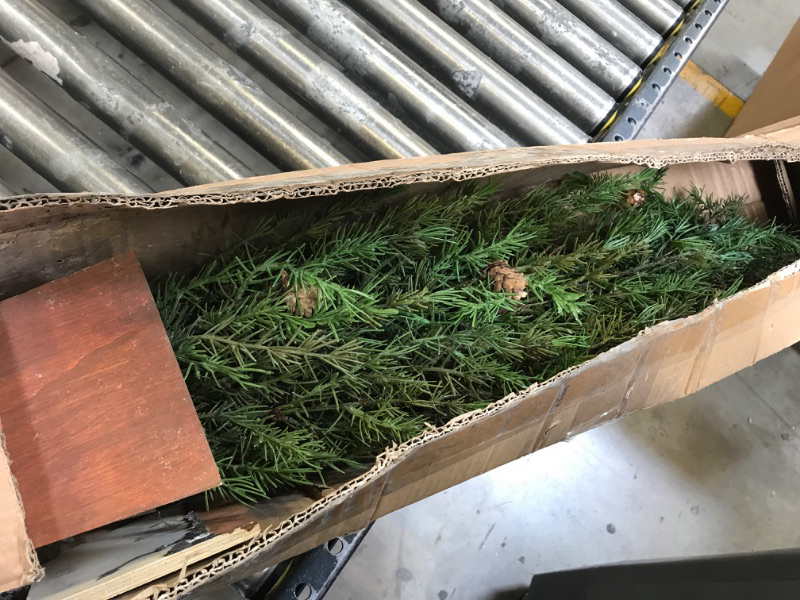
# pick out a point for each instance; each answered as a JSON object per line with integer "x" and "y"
{"x": 406, "y": 330}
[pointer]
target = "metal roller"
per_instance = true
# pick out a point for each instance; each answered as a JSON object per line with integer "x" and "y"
{"x": 54, "y": 148}
{"x": 480, "y": 80}
{"x": 366, "y": 54}
{"x": 686, "y": 4}
{"x": 278, "y": 54}
{"x": 114, "y": 95}
{"x": 575, "y": 41}
{"x": 223, "y": 89}
{"x": 5, "y": 191}
{"x": 516, "y": 49}
{"x": 661, "y": 15}
{"x": 618, "y": 25}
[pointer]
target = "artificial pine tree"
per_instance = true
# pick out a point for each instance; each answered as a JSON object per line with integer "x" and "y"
{"x": 322, "y": 338}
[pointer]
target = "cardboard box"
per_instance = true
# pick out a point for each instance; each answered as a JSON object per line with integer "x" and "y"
{"x": 46, "y": 236}
{"x": 18, "y": 562}
{"x": 776, "y": 97}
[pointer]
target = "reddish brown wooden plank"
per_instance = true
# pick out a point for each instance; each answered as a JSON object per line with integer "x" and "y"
{"x": 98, "y": 421}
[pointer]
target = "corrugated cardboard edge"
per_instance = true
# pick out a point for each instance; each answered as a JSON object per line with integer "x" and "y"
{"x": 19, "y": 564}
{"x": 789, "y": 197}
{"x": 432, "y": 169}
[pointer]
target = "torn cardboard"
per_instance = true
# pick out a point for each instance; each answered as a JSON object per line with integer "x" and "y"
{"x": 19, "y": 565}
{"x": 180, "y": 229}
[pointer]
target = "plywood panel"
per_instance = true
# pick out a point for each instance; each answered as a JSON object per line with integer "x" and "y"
{"x": 99, "y": 423}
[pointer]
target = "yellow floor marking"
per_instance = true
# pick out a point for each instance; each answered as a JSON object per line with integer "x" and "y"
{"x": 712, "y": 89}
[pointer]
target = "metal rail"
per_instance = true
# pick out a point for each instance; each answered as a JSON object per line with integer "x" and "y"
{"x": 367, "y": 55}
{"x": 527, "y": 58}
{"x": 575, "y": 41}
{"x": 54, "y": 148}
{"x": 219, "y": 86}
{"x": 308, "y": 576}
{"x": 278, "y": 54}
{"x": 663, "y": 73}
{"x": 114, "y": 95}
{"x": 662, "y": 15}
{"x": 619, "y": 26}
{"x": 475, "y": 76}
{"x": 5, "y": 191}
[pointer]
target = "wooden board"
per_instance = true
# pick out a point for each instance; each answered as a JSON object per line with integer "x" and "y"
{"x": 98, "y": 421}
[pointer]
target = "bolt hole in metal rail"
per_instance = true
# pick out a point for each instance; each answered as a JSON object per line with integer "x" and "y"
{"x": 134, "y": 97}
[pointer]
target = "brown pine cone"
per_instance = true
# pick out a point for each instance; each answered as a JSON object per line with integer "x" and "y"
{"x": 302, "y": 301}
{"x": 506, "y": 279}
{"x": 636, "y": 198}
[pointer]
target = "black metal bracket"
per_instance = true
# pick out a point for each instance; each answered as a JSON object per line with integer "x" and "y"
{"x": 663, "y": 72}
{"x": 310, "y": 575}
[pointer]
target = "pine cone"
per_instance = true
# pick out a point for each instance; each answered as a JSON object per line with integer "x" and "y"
{"x": 302, "y": 301}
{"x": 636, "y": 197}
{"x": 506, "y": 279}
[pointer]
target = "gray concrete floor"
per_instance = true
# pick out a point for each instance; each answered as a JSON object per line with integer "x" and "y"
{"x": 713, "y": 473}
{"x": 717, "y": 472}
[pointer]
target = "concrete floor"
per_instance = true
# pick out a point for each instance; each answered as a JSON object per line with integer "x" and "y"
{"x": 714, "y": 473}
{"x": 717, "y": 472}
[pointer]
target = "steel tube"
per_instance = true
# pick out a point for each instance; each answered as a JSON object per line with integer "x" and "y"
{"x": 576, "y": 42}
{"x": 686, "y": 4}
{"x": 114, "y": 95}
{"x": 367, "y": 55}
{"x": 661, "y": 15}
{"x": 619, "y": 26}
{"x": 477, "y": 78}
{"x": 5, "y": 191}
{"x": 236, "y": 99}
{"x": 275, "y": 52}
{"x": 55, "y": 149}
{"x": 527, "y": 58}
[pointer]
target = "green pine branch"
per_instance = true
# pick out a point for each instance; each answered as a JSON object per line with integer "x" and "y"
{"x": 406, "y": 331}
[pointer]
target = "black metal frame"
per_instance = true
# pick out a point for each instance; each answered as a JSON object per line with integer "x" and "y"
{"x": 308, "y": 576}
{"x": 660, "y": 76}
{"x": 771, "y": 575}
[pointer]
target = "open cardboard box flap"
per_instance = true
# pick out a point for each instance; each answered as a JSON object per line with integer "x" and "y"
{"x": 18, "y": 563}
{"x": 43, "y": 237}
{"x": 775, "y": 98}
